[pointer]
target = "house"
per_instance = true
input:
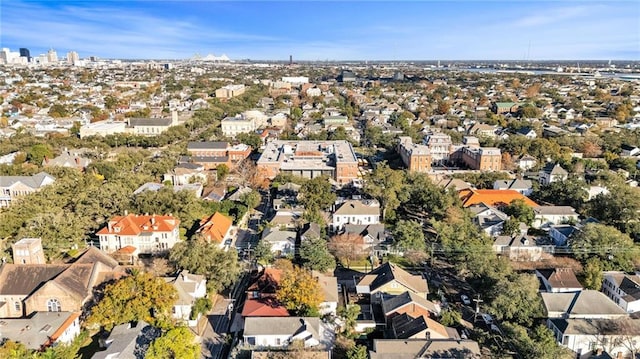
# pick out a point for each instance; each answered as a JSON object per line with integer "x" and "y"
{"x": 492, "y": 197}
{"x": 307, "y": 354}
{"x": 527, "y": 132}
{"x": 329, "y": 288}
{"x": 504, "y": 107}
{"x": 524, "y": 187}
{"x": 488, "y": 218}
{"x": 623, "y": 289}
{"x": 559, "y": 280}
{"x": 629, "y": 151}
{"x": 128, "y": 340}
{"x": 594, "y": 191}
{"x": 279, "y": 332}
{"x": 409, "y": 303}
{"x": 552, "y": 173}
{"x": 519, "y": 247}
{"x": 216, "y": 228}
{"x": 68, "y": 159}
{"x": 546, "y": 216}
{"x": 190, "y": 287}
{"x": 483, "y": 130}
{"x": 282, "y": 242}
{"x": 373, "y": 234}
{"x": 526, "y": 162}
{"x": 561, "y": 233}
{"x": 42, "y": 329}
{"x": 29, "y": 288}
{"x": 356, "y": 212}
{"x": 391, "y": 279}
{"x": 585, "y": 304}
{"x": 150, "y": 234}
{"x": 586, "y": 336}
{"x": 424, "y": 348}
{"x": 13, "y": 187}
{"x": 403, "y": 326}
{"x": 263, "y": 307}
{"x": 186, "y": 173}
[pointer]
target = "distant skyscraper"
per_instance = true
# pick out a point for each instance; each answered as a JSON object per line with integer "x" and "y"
{"x": 72, "y": 57}
{"x": 24, "y": 52}
{"x": 52, "y": 55}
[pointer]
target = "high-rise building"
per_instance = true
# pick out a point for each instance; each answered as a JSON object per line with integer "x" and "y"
{"x": 72, "y": 57}
{"x": 52, "y": 56}
{"x": 24, "y": 52}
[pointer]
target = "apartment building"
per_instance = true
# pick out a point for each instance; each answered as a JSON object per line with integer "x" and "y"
{"x": 416, "y": 157}
{"x": 212, "y": 154}
{"x": 230, "y": 91}
{"x": 231, "y": 126}
{"x": 482, "y": 158}
{"x": 439, "y": 145}
{"x": 309, "y": 159}
{"x": 149, "y": 234}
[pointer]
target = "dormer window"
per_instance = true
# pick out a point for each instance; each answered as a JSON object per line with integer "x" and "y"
{"x": 116, "y": 229}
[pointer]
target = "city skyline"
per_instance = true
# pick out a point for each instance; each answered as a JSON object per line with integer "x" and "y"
{"x": 356, "y": 30}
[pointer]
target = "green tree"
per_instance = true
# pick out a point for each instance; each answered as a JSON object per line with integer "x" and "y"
{"x": 58, "y": 110}
{"x": 510, "y": 227}
{"x": 592, "y": 274}
{"x": 537, "y": 343}
{"x": 516, "y": 299}
{"x": 315, "y": 255}
{"x": 201, "y": 306}
{"x": 349, "y": 315}
{"x": 221, "y": 268}
{"x": 136, "y": 297}
{"x": 571, "y": 192}
{"x": 251, "y": 199}
{"x": 386, "y": 185}
{"x": 252, "y": 139}
{"x": 614, "y": 249}
{"x": 357, "y": 352}
{"x": 450, "y": 317}
{"x": 408, "y": 235}
{"x": 222, "y": 171}
{"x": 618, "y": 208}
{"x": 38, "y": 152}
{"x": 176, "y": 343}
{"x": 520, "y": 211}
{"x": 262, "y": 253}
{"x": 299, "y": 292}
{"x": 317, "y": 194}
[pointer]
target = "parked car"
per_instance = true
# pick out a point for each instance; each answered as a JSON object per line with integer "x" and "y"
{"x": 488, "y": 319}
{"x": 227, "y": 242}
{"x": 494, "y": 328}
{"x": 465, "y": 299}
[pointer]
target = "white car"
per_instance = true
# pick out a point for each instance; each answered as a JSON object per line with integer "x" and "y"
{"x": 465, "y": 299}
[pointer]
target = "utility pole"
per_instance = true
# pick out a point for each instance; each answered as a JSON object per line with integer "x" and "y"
{"x": 478, "y": 301}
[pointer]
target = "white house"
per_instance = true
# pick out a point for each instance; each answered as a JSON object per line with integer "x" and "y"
{"x": 148, "y": 233}
{"x": 488, "y": 218}
{"x": 586, "y": 336}
{"x": 559, "y": 280}
{"x": 623, "y": 289}
{"x": 524, "y": 187}
{"x": 279, "y": 332}
{"x": 526, "y": 162}
{"x": 356, "y": 212}
{"x": 546, "y": 216}
{"x": 12, "y": 187}
{"x": 281, "y": 242}
{"x": 190, "y": 287}
{"x": 329, "y": 288}
{"x": 552, "y": 173}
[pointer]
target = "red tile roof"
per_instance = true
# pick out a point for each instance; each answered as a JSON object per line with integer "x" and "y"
{"x": 215, "y": 227}
{"x": 492, "y": 197}
{"x": 133, "y": 224}
{"x": 263, "y": 307}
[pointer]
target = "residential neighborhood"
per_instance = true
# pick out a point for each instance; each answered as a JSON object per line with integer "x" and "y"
{"x": 234, "y": 209}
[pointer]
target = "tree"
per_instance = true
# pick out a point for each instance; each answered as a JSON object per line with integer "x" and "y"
{"x": 317, "y": 194}
{"x": 563, "y": 193}
{"x": 136, "y": 297}
{"x": 58, "y": 110}
{"x": 221, "y": 268}
{"x": 262, "y": 253}
{"x": 520, "y": 211}
{"x": 619, "y": 208}
{"x": 347, "y": 247}
{"x": 201, "y": 306}
{"x": 450, "y": 317}
{"x": 349, "y": 314}
{"x": 614, "y": 249}
{"x": 357, "y": 352}
{"x": 252, "y": 139}
{"x": 299, "y": 292}
{"x": 510, "y": 227}
{"x": 516, "y": 298}
{"x": 592, "y": 274}
{"x": 537, "y": 343}
{"x": 176, "y": 343}
{"x": 38, "y": 152}
{"x": 222, "y": 171}
{"x": 408, "y": 235}
{"x": 315, "y": 255}
{"x": 386, "y": 185}
{"x": 251, "y": 199}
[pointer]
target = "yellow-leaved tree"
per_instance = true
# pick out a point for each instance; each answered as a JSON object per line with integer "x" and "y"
{"x": 299, "y": 292}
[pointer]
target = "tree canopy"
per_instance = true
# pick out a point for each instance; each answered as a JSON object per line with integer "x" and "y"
{"x": 408, "y": 235}
{"x": 315, "y": 255}
{"x": 614, "y": 249}
{"x": 299, "y": 292}
{"x": 175, "y": 343}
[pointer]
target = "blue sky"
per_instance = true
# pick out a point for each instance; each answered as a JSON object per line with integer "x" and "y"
{"x": 327, "y": 30}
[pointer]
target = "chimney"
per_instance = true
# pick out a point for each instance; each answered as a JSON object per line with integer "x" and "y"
{"x": 126, "y": 212}
{"x": 174, "y": 117}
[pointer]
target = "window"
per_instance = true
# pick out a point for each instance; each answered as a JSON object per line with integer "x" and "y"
{"x": 17, "y": 306}
{"x": 53, "y": 305}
